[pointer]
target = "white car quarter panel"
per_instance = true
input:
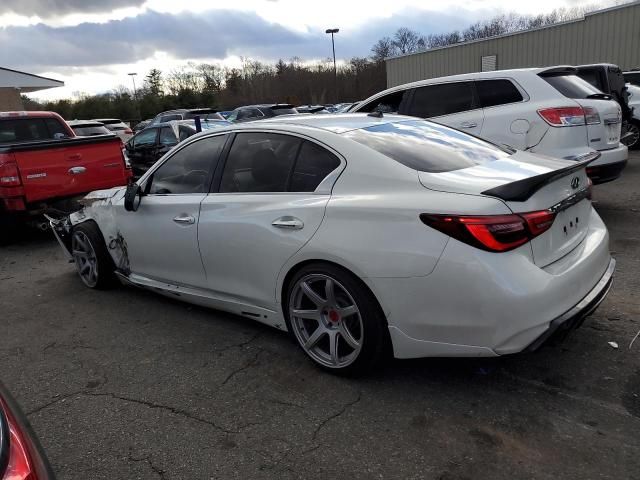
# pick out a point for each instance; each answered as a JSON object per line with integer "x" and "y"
{"x": 497, "y": 301}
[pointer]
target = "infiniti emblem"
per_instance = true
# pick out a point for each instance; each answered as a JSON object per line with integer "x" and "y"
{"x": 575, "y": 182}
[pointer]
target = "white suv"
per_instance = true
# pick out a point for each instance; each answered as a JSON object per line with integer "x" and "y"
{"x": 543, "y": 110}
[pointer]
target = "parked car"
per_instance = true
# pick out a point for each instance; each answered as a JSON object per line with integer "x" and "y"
{"x": 187, "y": 114}
{"x": 541, "y": 110}
{"x": 117, "y": 126}
{"x": 312, "y": 109}
{"x": 261, "y": 112}
{"x": 88, "y": 128}
{"x": 359, "y": 234}
{"x": 141, "y": 125}
{"x": 43, "y": 165}
{"x": 21, "y": 455}
{"x": 633, "y": 130}
{"x": 148, "y": 145}
{"x": 609, "y": 79}
{"x": 632, "y": 77}
{"x": 343, "y": 107}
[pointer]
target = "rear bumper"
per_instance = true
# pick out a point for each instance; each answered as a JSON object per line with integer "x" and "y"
{"x": 573, "y": 318}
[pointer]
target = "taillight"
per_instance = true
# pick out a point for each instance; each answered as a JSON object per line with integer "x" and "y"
{"x": 563, "y": 116}
{"x": 589, "y": 188}
{"x": 9, "y": 173}
{"x": 493, "y": 233}
{"x": 591, "y": 116}
{"x": 128, "y": 131}
{"x": 20, "y": 455}
{"x": 125, "y": 157}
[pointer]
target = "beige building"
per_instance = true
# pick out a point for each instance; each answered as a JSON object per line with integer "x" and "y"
{"x": 611, "y": 35}
{"x": 14, "y": 83}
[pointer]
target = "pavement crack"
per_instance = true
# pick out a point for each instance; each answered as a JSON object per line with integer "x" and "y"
{"x": 344, "y": 408}
{"x": 250, "y": 363}
{"x": 59, "y": 399}
{"x": 176, "y": 411}
{"x": 160, "y": 472}
{"x": 241, "y": 344}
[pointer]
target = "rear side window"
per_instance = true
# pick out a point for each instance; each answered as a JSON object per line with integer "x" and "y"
{"x": 443, "y": 99}
{"x": 29, "y": 130}
{"x": 497, "y": 92}
{"x": 146, "y": 137}
{"x": 259, "y": 162}
{"x": 185, "y": 132}
{"x": 571, "y": 86}
{"x": 632, "y": 78}
{"x": 283, "y": 111}
{"x": 426, "y": 146}
{"x": 314, "y": 163}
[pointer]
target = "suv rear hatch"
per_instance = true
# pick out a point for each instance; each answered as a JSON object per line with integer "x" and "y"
{"x": 602, "y": 115}
{"x": 530, "y": 183}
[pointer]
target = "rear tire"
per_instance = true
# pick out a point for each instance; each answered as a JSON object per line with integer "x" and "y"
{"x": 93, "y": 262}
{"x": 633, "y": 143}
{"x": 335, "y": 319}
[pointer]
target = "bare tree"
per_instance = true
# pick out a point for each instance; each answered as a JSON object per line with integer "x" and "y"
{"x": 406, "y": 41}
{"x": 384, "y": 48}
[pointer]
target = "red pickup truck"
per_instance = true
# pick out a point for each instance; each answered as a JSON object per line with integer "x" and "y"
{"x": 44, "y": 166}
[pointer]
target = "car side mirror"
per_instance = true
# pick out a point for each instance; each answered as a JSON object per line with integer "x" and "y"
{"x": 132, "y": 197}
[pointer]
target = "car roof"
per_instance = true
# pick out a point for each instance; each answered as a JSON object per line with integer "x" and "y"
{"x": 333, "y": 122}
{"x": 85, "y": 123}
{"x": 107, "y": 120}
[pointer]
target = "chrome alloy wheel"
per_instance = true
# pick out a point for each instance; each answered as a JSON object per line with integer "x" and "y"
{"x": 85, "y": 258}
{"x": 634, "y": 136}
{"x": 326, "y": 320}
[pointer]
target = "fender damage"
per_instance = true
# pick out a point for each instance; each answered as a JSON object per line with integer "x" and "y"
{"x": 98, "y": 206}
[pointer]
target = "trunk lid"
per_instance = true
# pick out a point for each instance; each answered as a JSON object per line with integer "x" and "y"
{"x": 606, "y": 134}
{"x": 528, "y": 183}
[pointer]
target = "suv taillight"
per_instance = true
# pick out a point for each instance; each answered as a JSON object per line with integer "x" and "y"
{"x": 9, "y": 173}
{"x": 591, "y": 116}
{"x": 493, "y": 233}
{"x": 563, "y": 116}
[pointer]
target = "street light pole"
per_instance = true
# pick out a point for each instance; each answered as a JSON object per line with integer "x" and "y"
{"x": 332, "y": 31}
{"x": 135, "y": 93}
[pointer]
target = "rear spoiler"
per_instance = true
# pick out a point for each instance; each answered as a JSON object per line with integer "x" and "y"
{"x": 522, "y": 190}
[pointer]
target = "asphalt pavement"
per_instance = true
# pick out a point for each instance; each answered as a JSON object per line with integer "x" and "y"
{"x": 126, "y": 384}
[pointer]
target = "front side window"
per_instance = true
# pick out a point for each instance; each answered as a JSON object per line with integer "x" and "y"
{"x": 168, "y": 118}
{"x": 167, "y": 137}
{"x": 185, "y": 132}
{"x": 443, "y": 99}
{"x": 427, "y": 146}
{"x": 146, "y": 137}
{"x": 189, "y": 169}
{"x": 497, "y": 92}
{"x": 259, "y": 162}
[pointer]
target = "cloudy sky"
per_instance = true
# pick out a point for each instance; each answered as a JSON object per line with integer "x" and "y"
{"x": 92, "y": 44}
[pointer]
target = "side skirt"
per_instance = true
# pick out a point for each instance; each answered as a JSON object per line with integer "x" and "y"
{"x": 206, "y": 298}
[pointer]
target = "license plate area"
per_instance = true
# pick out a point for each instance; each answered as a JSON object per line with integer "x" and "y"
{"x": 613, "y": 133}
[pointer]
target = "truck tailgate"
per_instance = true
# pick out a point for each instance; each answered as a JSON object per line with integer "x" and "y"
{"x": 68, "y": 167}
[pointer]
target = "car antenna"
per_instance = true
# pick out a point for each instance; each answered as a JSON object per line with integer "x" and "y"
{"x": 375, "y": 114}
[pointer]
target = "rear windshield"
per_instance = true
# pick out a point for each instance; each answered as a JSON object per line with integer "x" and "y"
{"x": 571, "y": 86}
{"x": 88, "y": 130}
{"x": 16, "y": 130}
{"x": 427, "y": 146}
{"x": 110, "y": 121}
{"x": 283, "y": 111}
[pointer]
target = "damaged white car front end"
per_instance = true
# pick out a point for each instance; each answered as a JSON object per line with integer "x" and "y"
{"x": 99, "y": 207}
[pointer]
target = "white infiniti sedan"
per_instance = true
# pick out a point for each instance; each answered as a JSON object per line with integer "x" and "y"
{"x": 360, "y": 235}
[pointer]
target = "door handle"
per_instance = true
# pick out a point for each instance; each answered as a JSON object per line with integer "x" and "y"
{"x": 468, "y": 125}
{"x": 288, "y": 223}
{"x": 184, "y": 219}
{"x": 77, "y": 170}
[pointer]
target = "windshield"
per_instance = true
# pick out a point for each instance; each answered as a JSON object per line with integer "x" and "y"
{"x": 427, "y": 146}
{"x": 88, "y": 130}
{"x": 571, "y": 86}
